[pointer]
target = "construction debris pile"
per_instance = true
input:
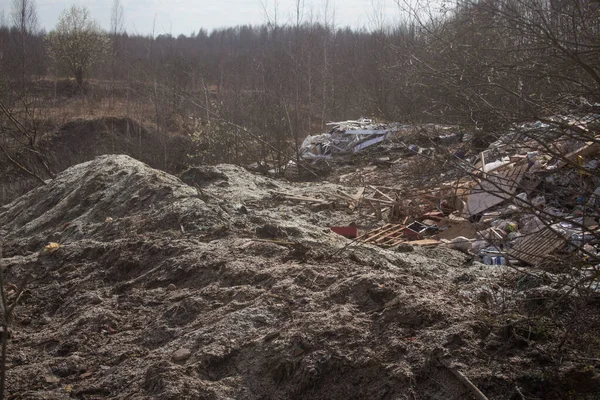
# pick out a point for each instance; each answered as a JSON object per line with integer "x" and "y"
{"x": 343, "y": 141}
{"x": 345, "y": 138}
{"x": 533, "y": 194}
{"x": 531, "y": 197}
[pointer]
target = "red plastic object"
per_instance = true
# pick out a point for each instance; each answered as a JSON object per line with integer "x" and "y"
{"x": 411, "y": 235}
{"x": 347, "y": 231}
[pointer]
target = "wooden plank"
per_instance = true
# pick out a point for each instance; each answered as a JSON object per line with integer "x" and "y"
{"x": 495, "y": 189}
{"x": 344, "y": 195}
{"x": 386, "y": 202}
{"x": 391, "y": 234}
{"x": 483, "y": 164}
{"x": 535, "y": 248}
{"x": 382, "y": 233}
{"x": 301, "y": 198}
{"x": 356, "y": 200}
{"x": 381, "y": 193}
{"x": 588, "y": 149}
{"x": 425, "y": 242}
{"x": 341, "y": 197}
{"x": 378, "y": 231}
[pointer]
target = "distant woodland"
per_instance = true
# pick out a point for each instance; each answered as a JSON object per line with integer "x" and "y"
{"x": 253, "y": 92}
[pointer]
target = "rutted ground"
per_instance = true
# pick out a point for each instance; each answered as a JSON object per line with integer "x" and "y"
{"x": 165, "y": 291}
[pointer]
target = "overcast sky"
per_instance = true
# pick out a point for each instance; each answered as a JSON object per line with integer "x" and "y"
{"x": 187, "y": 16}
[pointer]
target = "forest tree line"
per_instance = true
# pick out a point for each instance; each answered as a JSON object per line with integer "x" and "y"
{"x": 483, "y": 63}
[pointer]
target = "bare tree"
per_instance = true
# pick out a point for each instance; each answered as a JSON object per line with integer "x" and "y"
{"x": 26, "y": 27}
{"x": 377, "y": 16}
{"x": 117, "y": 18}
{"x": 25, "y": 22}
{"x": 528, "y": 58}
{"x": 117, "y": 29}
{"x": 20, "y": 118}
{"x": 77, "y": 42}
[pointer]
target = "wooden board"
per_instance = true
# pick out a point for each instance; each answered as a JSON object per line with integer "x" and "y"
{"x": 382, "y": 236}
{"x": 396, "y": 232}
{"x": 498, "y": 187}
{"x": 587, "y": 150}
{"x": 536, "y": 247}
{"x": 378, "y": 232}
{"x": 425, "y": 242}
{"x": 392, "y": 235}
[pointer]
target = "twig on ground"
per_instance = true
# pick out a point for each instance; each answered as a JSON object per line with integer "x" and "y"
{"x": 465, "y": 381}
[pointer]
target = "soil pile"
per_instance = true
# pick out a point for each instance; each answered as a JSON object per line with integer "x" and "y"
{"x": 84, "y": 139}
{"x": 166, "y": 291}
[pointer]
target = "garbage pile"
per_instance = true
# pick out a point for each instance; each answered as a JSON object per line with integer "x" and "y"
{"x": 535, "y": 193}
{"x": 532, "y": 197}
{"x": 346, "y": 137}
{"x": 377, "y": 144}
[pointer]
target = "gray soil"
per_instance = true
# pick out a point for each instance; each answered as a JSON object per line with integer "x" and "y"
{"x": 166, "y": 291}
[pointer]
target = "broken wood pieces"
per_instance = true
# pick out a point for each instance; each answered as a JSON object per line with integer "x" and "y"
{"x": 384, "y": 203}
{"x": 296, "y": 197}
{"x": 353, "y": 201}
{"x": 394, "y": 234}
{"x": 315, "y": 203}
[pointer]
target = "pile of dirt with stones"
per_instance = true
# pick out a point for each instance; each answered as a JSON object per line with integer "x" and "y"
{"x": 83, "y": 139}
{"x": 167, "y": 291}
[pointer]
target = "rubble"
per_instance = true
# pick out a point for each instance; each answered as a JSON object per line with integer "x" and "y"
{"x": 540, "y": 154}
{"x": 345, "y": 138}
{"x": 498, "y": 199}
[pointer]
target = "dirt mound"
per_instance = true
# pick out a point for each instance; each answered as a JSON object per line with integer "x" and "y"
{"x": 82, "y": 140}
{"x": 103, "y": 199}
{"x": 165, "y": 291}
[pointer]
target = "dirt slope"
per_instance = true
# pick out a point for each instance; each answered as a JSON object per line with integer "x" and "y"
{"x": 164, "y": 291}
{"x": 82, "y": 140}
